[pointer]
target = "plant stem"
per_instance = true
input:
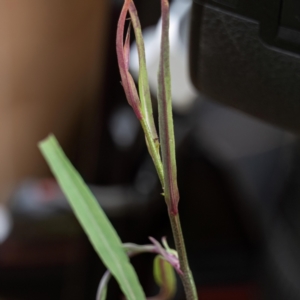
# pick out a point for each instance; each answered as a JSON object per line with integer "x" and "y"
{"x": 153, "y": 148}
{"x": 187, "y": 276}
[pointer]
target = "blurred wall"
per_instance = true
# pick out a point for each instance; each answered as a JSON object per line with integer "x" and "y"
{"x": 51, "y": 63}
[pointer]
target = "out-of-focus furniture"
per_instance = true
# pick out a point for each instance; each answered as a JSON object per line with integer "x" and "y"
{"x": 52, "y": 61}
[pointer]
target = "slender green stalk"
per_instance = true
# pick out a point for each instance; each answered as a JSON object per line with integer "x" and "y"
{"x": 152, "y": 146}
{"x": 187, "y": 276}
{"x": 165, "y": 162}
{"x": 167, "y": 139}
{"x": 165, "y": 115}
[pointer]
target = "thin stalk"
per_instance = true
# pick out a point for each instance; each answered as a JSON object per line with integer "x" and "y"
{"x": 154, "y": 151}
{"x": 167, "y": 139}
{"x": 165, "y": 162}
{"x": 187, "y": 276}
{"x": 144, "y": 90}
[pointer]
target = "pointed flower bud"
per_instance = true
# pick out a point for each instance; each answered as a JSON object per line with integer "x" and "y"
{"x": 123, "y": 61}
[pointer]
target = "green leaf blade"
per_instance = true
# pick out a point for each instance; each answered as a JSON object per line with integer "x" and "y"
{"x": 144, "y": 90}
{"x": 95, "y": 223}
{"x": 141, "y": 103}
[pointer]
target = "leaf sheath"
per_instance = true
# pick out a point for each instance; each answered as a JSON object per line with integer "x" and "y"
{"x": 166, "y": 129}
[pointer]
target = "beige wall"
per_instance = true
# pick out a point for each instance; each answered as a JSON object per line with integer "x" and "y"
{"x": 51, "y": 58}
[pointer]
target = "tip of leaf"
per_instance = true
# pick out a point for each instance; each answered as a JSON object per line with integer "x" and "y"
{"x": 47, "y": 139}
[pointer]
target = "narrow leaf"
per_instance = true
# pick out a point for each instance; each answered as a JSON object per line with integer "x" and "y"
{"x": 95, "y": 223}
{"x": 166, "y": 129}
{"x": 122, "y": 55}
{"x": 141, "y": 104}
{"x": 144, "y": 90}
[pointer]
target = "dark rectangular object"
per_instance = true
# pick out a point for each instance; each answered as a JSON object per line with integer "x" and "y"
{"x": 246, "y": 54}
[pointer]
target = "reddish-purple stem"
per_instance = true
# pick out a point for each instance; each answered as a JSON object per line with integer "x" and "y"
{"x": 166, "y": 129}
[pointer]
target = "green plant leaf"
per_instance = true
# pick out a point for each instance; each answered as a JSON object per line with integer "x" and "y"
{"x": 165, "y": 116}
{"x": 95, "y": 223}
{"x": 144, "y": 90}
{"x": 164, "y": 277}
{"x": 141, "y": 104}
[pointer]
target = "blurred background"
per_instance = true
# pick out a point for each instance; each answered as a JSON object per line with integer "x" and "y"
{"x": 235, "y": 71}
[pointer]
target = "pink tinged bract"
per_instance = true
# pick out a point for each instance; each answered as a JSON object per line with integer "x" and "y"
{"x": 123, "y": 61}
{"x": 169, "y": 256}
